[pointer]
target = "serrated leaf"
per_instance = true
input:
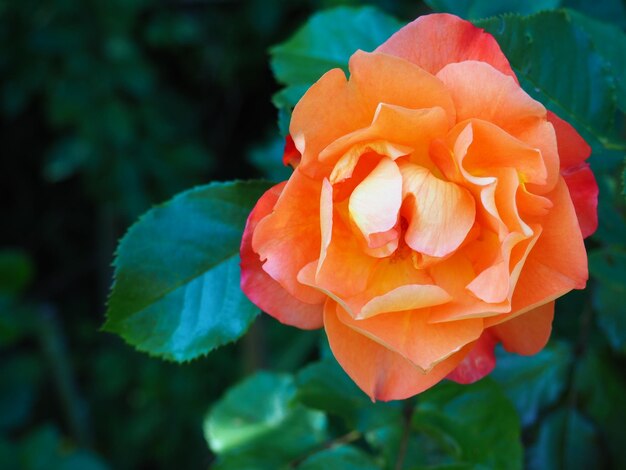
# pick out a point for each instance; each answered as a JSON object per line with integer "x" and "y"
{"x": 566, "y": 440}
{"x": 533, "y": 383}
{"x": 176, "y": 292}
{"x": 258, "y": 419}
{"x": 326, "y": 41}
{"x": 475, "y": 9}
{"x": 607, "y": 268}
{"x": 556, "y": 63}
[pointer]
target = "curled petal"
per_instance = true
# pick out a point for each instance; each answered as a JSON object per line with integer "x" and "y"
{"x": 411, "y": 335}
{"x": 573, "y": 151}
{"x": 261, "y": 289}
{"x": 375, "y": 203}
{"x": 441, "y": 213}
{"x": 381, "y": 373}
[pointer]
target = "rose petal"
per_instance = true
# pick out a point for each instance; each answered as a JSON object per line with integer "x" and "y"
{"x": 583, "y": 190}
{"x": 379, "y": 372}
{"x": 433, "y": 41}
{"x": 527, "y": 333}
{"x": 289, "y": 237}
{"x": 479, "y": 91}
{"x": 558, "y": 261}
{"x": 411, "y": 335}
{"x": 375, "y": 203}
{"x": 441, "y": 213}
{"x": 261, "y": 289}
{"x": 480, "y": 361}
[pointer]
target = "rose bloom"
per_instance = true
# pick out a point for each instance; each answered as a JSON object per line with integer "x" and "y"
{"x": 435, "y": 210}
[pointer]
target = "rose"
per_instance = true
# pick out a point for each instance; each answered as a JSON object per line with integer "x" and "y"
{"x": 434, "y": 211}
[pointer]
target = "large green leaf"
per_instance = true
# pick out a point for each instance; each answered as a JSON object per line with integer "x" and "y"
{"x": 342, "y": 457}
{"x": 325, "y": 386}
{"x": 557, "y": 64}
{"x": 176, "y": 292}
{"x": 536, "y": 382}
{"x": 455, "y": 427}
{"x": 477, "y": 423}
{"x": 608, "y": 268}
{"x": 258, "y": 421}
{"x": 475, "y": 9}
{"x": 610, "y": 42}
{"x": 325, "y": 42}
{"x": 601, "y": 388}
{"x": 566, "y": 440}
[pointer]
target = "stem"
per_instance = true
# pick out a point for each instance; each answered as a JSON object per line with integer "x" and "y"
{"x": 407, "y": 413}
{"x": 53, "y": 347}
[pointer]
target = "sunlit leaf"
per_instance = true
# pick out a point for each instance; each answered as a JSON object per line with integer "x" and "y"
{"x": 176, "y": 292}
{"x": 257, "y": 420}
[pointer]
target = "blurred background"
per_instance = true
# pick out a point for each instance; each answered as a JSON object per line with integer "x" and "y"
{"x": 106, "y": 108}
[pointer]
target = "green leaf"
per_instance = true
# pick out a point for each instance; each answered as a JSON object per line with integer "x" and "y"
{"x": 176, "y": 292}
{"x": 325, "y": 42}
{"x": 557, "y": 64}
{"x": 611, "y": 11}
{"x": 258, "y": 419}
{"x": 342, "y": 457}
{"x": 325, "y": 386}
{"x": 475, "y": 9}
{"x": 533, "y": 383}
{"x": 608, "y": 268}
{"x": 566, "y": 440}
{"x": 610, "y": 42}
{"x": 601, "y": 386}
{"x": 477, "y": 423}
{"x": 16, "y": 271}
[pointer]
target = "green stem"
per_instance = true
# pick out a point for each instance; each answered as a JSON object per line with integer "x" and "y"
{"x": 54, "y": 351}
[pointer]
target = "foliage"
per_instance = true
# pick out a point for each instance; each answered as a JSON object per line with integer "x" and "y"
{"x": 110, "y": 107}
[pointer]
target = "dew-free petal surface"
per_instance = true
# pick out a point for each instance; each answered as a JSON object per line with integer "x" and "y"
{"x": 379, "y": 372}
{"x": 261, "y": 289}
{"x": 432, "y": 41}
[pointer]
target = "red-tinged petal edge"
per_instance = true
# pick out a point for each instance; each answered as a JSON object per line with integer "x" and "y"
{"x": 291, "y": 155}
{"x": 583, "y": 189}
{"x": 480, "y": 361}
{"x": 433, "y": 41}
{"x": 260, "y": 288}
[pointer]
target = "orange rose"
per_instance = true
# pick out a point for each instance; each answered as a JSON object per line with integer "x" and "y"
{"x": 432, "y": 213}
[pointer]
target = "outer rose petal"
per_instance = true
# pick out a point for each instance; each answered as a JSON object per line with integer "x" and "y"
{"x": 379, "y": 372}
{"x": 584, "y": 192}
{"x": 478, "y": 363}
{"x": 261, "y": 289}
{"x": 289, "y": 238}
{"x": 528, "y": 333}
{"x": 433, "y": 41}
{"x": 573, "y": 151}
{"x": 556, "y": 264}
